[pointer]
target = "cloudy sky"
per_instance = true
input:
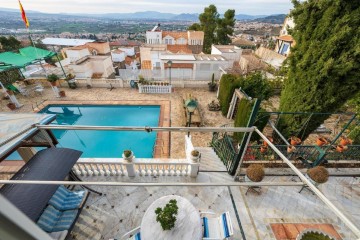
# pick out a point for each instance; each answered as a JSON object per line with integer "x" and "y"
{"x": 252, "y": 7}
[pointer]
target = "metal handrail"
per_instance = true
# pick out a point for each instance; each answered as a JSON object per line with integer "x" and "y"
{"x": 146, "y": 128}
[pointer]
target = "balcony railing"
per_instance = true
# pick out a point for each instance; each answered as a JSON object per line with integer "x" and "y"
{"x": 138, "y": 167}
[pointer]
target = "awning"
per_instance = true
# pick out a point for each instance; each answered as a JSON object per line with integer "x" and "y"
{"x": 52, "y": 164}
{"x": 15, "y": 59}
{"x": 36, "y": 53}
{"x": 27, "y": 56}
{"x": 15, "y": 127}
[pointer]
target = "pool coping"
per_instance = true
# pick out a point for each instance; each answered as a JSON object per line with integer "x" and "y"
{"x": 163, "y": 139}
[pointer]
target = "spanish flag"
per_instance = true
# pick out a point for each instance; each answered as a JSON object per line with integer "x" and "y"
{"x": 23, "y": 15}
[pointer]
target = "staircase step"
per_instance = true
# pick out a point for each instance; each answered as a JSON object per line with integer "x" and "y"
{"x": 209, "y": 160}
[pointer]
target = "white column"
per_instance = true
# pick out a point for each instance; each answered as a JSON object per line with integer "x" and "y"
{"x": 130, "y": 169}
{"x": 194, "y": 169}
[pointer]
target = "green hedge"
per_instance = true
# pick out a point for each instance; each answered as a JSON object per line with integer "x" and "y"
{"x": 242, "y": 116}
{"x": 254, "y": 85}
{"x": 228, "y": 84}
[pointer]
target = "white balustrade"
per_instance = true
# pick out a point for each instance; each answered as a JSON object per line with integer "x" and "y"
{"x": 138, "y": 167}
{"x": 154, "y": 88}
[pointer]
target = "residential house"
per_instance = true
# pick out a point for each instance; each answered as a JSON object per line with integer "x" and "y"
{"x": 194, "y": 66}
{"x": 193, "y": 39}
{"x": 93, "y": 67}
{"x": 151, "y": 55}
{"x": 92, "y": 48}
{"x": 285, "y": 41}
{"x": 230, "y": 52}
{"x": 243, "y": 43}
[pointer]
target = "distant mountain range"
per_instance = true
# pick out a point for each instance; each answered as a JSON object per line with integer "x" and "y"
{"x": 153, "y": 15}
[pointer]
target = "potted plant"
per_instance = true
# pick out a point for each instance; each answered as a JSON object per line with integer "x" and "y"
{"x": 321, "y": 141}
{"x": 70, "y": 79}
{"x": 62, "y": 93}
{"x": 255, "y": 173}
{"x": 128, "y": 155}
{"x": 295, "y": 140}
{"x": 317, "y": 175}
{"x": 195, "y": 155}
{"x": 270, "y": 139}
{"x": 212, "y": 84}
{"x": 313, "y": 234}
{"x": 341, "y": 148}
{"x": 11, "y": 105}
{"x": 213, "y": 106}
{"x": 290, "y": 149}
{"x": 263, "y": 149}
{"x": 53, "y": 79}
{"x": 345, "y": 141}
{"x": 167, "y": 216}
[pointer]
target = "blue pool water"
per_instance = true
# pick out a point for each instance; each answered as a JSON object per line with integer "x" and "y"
{"x": 106, "y": 144}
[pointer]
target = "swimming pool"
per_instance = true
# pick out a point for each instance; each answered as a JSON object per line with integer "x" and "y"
{"x": 106, "y": 144}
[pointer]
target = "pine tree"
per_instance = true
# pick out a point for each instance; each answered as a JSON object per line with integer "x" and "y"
{"x": 208, "y": 20}
{"x": 225, "y": 27}
{"x": 324, "y": 64}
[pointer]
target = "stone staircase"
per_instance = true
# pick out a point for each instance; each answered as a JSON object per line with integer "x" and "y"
{"x": 209, "y": 160}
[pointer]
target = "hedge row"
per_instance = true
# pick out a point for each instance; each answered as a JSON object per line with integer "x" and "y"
{"x": 254, "y": 85}
{"x": 228, "y": 84}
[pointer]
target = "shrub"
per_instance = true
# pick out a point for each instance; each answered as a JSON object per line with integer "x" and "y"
{"x": 242, "y": 116}
{"x": 127, "y": 153}
{"x": 319, "y": 174}
{"x": 228, "y": 84}
{"x": 255, "y": 172}
{"x": 261, "y": 121}
{"x": 195, "y": 153}
{"x": 52, "y": 78}
{"x": 167, "y": 215}
{"x": 256, "y": 85}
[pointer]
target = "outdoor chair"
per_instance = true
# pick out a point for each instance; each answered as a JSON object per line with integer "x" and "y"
{"x": 39, "y": 88}
{"x": 217, "y": 228}
{"x": 131, "y": 235}
{"x": 64, "y": 199}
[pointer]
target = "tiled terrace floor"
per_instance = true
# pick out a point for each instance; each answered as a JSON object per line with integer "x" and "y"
{"x": 121, "y": 209}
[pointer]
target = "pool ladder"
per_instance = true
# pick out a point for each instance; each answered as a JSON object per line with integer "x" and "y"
{"x": 158, "y": 145}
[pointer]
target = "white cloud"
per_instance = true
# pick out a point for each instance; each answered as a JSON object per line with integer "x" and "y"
{"x": 174, "y": 6}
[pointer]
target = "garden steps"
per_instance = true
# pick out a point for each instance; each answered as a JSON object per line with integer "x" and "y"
{"x": 210, "y": 160}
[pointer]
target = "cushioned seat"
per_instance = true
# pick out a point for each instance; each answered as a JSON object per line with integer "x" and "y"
{"x": 53, "y": 220}
{"x": 64, "y": 199}
{"x": 217, "y": 227}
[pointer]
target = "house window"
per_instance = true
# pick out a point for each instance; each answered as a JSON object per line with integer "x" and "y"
{"x": 284, "y": 49}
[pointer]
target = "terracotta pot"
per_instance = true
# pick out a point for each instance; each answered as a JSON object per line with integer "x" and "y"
{"x": 270, "y": 139}
{"x": 263, "y": 149}
{"x": 321, "y": 141}
{"x": 345, "y": 141}
{"x": 295, "y": 141}
{"x": 55, "y": 84}
{"x": 340, "y": 148}
{"x": 290, "y": 149}
{"x": 12, "y": 106}
{"x": 62, "y": 93}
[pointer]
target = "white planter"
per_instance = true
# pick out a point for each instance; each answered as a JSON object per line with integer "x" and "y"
{"x": 194, "y": 159}
{"x": 128, "y": 158}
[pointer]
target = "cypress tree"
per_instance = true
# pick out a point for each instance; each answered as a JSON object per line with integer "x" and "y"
{"x": 323, "y": 68}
